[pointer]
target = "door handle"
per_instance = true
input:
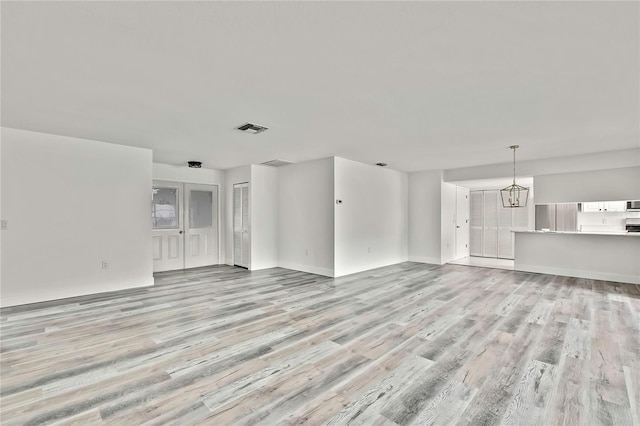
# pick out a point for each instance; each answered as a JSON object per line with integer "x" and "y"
{"x": 458, "y": 226}
{"x": 181, "y": 232}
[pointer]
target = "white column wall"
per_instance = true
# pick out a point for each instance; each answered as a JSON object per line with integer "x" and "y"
{"x": 425, "y": 226}
{"x": 264, "y": 216}
{"x": 305, "y": 216}
{"x": 371, "y": 224}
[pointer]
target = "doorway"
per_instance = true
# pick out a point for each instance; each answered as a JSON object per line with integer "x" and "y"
{"x": 185, "y": 225}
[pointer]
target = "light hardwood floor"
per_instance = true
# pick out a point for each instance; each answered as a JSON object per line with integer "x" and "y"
{"x": 405, "y": 344}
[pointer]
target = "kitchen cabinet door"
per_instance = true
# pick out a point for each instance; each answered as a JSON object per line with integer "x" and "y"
{"x": 592, "y": 207}
{"x": 614, "y": 206}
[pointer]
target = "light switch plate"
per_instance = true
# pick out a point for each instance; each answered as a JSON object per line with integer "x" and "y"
{"x": 4, "y": 224}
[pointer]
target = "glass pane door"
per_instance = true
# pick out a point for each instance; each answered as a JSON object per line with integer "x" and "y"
{"x": 201, "y": 209}
{"x": 165, "y": 211}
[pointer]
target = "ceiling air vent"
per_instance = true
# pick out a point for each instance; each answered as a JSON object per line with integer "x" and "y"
{"x": 276, "y": 163}
{"x": 251, "y": 128}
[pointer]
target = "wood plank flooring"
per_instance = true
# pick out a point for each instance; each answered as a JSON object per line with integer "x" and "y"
{"x": 405, "y": 344}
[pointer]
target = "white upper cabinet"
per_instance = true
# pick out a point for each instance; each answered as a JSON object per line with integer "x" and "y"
{"x": 615, "y": 206}
{"x": 608, "y": 206}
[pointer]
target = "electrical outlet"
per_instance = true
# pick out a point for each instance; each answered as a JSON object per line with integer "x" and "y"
{"x": 105, "y": 265}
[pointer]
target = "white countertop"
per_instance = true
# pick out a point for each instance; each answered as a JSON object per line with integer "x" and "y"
{"x": 619, "y": 233}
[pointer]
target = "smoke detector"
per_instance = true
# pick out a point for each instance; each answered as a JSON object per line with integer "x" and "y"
{"x": 251, "y": 128}
{"x": 276, "y": 163}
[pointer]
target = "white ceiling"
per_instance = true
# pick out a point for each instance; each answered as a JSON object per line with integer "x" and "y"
{"x": 418, "y": 85}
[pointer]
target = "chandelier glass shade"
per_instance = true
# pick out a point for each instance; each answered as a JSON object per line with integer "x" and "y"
{"x": 514, "y": 195}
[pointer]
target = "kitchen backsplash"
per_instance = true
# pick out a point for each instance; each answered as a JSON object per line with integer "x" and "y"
{"x": 603, "y": 221}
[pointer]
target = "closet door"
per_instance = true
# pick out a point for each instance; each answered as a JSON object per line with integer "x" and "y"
{"x": 490, "y": 228}
{"x": 241, "y": 236}
{"x": 476, "y": 216}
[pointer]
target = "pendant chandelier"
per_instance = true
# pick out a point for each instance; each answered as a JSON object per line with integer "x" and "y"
{"x": 514, "y": 195}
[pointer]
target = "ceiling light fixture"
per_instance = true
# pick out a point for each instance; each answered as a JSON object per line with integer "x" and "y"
{"x": 251, "y": 128}
{"x": 514, "y": 195}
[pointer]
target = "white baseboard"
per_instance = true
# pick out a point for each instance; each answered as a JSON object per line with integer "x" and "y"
{"x": 577, "y": 273}
{"x": 28, "y": 298}
{"x": 363, "y": 268}
{"x": 267, "y": 266}
{"x": 307, "y": 268}
{"x": 430, "y": 260}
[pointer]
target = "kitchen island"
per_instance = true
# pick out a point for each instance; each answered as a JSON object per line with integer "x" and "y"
{"x": 611, "y": 256}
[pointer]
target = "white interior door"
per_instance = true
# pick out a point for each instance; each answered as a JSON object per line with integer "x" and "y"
{"x": 167, "y": 234}
{"x": 241, "y": 240}
{"x": 462, "y": 222}
{"x": 201, "y": 225}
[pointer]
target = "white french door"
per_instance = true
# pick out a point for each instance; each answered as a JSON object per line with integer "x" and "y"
{"x": 185, "y": 225}
{"x": 201, "y": 225}
{"x": 167, "y": 234}
{"x": 241, "y": 240}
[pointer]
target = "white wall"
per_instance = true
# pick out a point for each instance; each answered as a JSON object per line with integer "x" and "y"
{"x": 371, "y": 224}
{"x": 72, "y": 204}
{"x": 576, "y": 163}
{"x": 305, "y": 222}
{"x": 448, "y": 222}
{"x": 425, "y": 216}
{"x": 185, "y": 174}
{"x": 595, "y": 185}
{"x": 1, "y": 217}
{"x": 231, "y": 177}
{"x": 264, "y": 216}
